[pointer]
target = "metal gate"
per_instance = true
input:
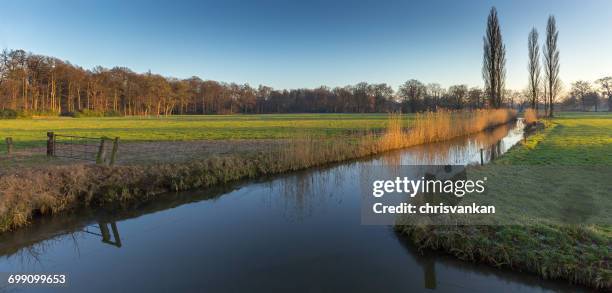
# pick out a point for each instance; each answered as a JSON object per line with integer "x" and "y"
{"x": 101, "y": 150}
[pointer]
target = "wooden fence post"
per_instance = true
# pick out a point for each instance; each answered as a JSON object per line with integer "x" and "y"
{"x": 9, "y": 145}
{"x": 50, "y": 144}
{"x": 101, "y": 152}
{"x": 114, "y": 151}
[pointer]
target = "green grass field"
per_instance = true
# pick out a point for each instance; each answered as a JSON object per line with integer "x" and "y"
{"x": 32, "y": 132}
{"x": 570, "y": 139}
{"x": 574, "y": 152}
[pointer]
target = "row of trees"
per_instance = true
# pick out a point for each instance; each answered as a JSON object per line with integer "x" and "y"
{"x": 494, "y": 64}
{"x": 582, "y": 95}
{"x": 39, "y": 84}
{"x": 551, "y": 85}
{"x": 541, "y": 90}
{"x": 585, "y": 96}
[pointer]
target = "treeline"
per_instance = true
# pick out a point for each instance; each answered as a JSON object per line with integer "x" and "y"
{"x": 586, "y": 96}
{"x": 43, "y": 85}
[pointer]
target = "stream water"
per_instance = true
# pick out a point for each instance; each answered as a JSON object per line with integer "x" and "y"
{"x": 294, "y": 233}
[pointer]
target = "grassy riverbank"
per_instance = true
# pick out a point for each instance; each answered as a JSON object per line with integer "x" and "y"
{"x": 52, "y": 190}
{"x": 580, "y": 253}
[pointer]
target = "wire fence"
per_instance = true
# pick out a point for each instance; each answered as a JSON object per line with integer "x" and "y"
{"x": 77, "y": 147}
{"x": 101, "y": 150}
{"x": 68, "y": 149}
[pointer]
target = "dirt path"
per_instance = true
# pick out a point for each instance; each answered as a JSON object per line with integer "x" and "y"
{"x": 144, "y": 153}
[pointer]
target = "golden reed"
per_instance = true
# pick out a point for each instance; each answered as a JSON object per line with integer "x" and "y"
{"x": 424, "y": 128}
{"x": 442, "y": 125}
{"x": 530, "y": 116}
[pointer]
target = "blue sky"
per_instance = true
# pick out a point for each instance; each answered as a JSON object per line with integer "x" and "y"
{"x": 291, "y": 44}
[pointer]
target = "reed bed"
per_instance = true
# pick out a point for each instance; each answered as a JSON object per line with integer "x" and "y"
{"x": 442, "y": 125}
{"x": 427, "y": 127}
{"x": 531, "y": 117}
{"x": 52, "y": 190}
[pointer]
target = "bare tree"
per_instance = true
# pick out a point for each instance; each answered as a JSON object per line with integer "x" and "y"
{"x": 494, "y": 61}
{"x": 534, "y": 67}
{"x": 412, "y": 92}
{"x": 580, "y": 89}
{"x": 551, "y": 63}
{"x": 605, "y": 84}
{"x": 475, "y": 96}
{"x": 513, "y": 97}
{"x": 433, "y": 96}
{"x": 459, "y": 94}
{"x": 383, "y": 93}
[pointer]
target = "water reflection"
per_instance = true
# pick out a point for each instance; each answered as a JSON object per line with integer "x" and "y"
{"x": 31, "y": 242}
{"x": 429, "y": 273}
{"x": 304, "y": 192}
{"x": 105, "y": 234}
{"x": 433, "y": 267}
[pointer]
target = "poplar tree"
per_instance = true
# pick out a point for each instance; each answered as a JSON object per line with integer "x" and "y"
{"x": 534, "y": 67}
{"x": 494, "y": 61}
{"x": 551, "y": 63}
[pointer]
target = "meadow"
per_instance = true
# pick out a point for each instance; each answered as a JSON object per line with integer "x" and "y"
{"x": 571, "y": 139}
{"x": 28, "y": 133}
{"x": 574, "y": 151}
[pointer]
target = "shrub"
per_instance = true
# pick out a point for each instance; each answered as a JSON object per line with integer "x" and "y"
{"x": 8, "y": 114}
{"x": 113, "y": 113}
{"x": 89, "y": 113}
{"x": 43, "y": 113}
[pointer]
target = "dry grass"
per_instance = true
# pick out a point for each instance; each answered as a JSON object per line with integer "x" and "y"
{"x": 531, "y": 117}
{"x": 51, "y": 190}
{"x": 442, "y": 125}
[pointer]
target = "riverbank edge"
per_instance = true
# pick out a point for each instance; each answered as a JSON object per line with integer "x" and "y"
{"x": 54, "y": 190}
{"x": 501, "y": 247}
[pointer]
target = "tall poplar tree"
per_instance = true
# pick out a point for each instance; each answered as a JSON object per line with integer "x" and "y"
{"x": 534, "y": 67}
{"x": 551, "y": 63}
{"x": 494, "y": 61}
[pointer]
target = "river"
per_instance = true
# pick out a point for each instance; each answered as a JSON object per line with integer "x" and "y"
{"x": 299, "y": 232}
